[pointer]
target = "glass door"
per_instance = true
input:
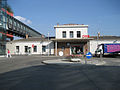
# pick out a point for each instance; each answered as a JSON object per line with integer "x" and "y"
{"x": 76, "y": 50}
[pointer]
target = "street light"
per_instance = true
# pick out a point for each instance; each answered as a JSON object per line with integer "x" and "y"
{"x": 98, "y": 36}
{"x": 48, "y": 43}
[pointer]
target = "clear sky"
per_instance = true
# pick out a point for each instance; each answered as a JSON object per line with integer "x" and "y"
{"x": 101, "y": 15}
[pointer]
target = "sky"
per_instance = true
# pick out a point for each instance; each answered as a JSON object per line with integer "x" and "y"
{"x": 101, "y": 15}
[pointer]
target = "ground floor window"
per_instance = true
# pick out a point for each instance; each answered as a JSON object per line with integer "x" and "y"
{"x": 29, "y": 50}
{"x": 26, "y": 49}
{"x": 2, "y": 49}
{"x": 35, "y": 49}
{"x": 43, "y": 48}
{"x": 17, "y": 49}
{"x": 63, "y": 48}
{"x": 77, "y": 50}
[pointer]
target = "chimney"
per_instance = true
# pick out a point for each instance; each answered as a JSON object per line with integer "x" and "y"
{"x": 57, "y": 24}
{"x": 26, "y": 36}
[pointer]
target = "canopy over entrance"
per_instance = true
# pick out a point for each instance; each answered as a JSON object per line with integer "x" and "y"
{"x": 71, "y": 46}
{"x": 73, "y": 40}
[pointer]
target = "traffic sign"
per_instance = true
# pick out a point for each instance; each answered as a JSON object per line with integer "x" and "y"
{"x": 61, "y": 53}
{"x": 89, "y": 55}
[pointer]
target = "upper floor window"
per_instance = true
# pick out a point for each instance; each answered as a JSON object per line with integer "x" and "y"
{"x": 64, "y": 34}
{"x": 71, "y": 34}
{"x": 14, "y": 23}
{"x": 78, "y": 34}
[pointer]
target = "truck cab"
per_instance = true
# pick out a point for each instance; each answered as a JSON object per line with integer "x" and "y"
{"x": 99, "y": 50}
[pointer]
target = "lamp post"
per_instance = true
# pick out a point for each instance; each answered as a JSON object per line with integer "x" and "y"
{"x": 48, "y": 43}
{"x": 98, "y": 36}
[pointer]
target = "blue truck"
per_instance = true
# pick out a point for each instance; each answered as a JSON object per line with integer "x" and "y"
{"x": 108, "y": 48}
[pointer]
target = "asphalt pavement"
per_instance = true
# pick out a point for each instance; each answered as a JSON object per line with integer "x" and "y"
{"x": 29, "y": 73}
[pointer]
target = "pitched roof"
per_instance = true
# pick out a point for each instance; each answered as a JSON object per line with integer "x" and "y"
{"x": 106, "y": 37}
{"x": 30, "y": 39}
{"x": 71, "y": 26}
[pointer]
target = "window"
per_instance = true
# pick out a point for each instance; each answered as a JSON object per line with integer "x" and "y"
{"x": 1, "y": 36}
{"x": 77, "y": 50}
{"x": 1, "y": 20}
{"x": 63, "y": 48}
{"x": 4, "y": 18}
{"x": 43, "y": 48}
{"x": 10, "y": 20}
{"x": 35, "y": 49}
{"x": 14, "y": 23}
{"x": 26, "y": 49}
{"x": 21, "y": 26}
{"x": 18, "y": 25}
{"x": 71, "y": 34}
{"x": 78, "y": 34}
{"x": 64, "y": 34}
{"x": 17, "y": 49}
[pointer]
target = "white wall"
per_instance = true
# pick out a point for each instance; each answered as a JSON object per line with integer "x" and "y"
{"x": 49, "y": 48}
{"x": 12, "y": 47}
{"x": 29, "y": 44}
{"x": 84, "y": 31}
{"x": 94, "y": 43}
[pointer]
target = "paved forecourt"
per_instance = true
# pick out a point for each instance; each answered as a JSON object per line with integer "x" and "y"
{"x": 29, "y": 73}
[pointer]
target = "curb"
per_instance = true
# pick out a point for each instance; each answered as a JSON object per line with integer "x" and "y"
{"x": 2, "y": 56}
{"x": 51, "y": 62}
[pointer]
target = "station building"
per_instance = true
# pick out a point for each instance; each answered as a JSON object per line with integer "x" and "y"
{"x": 31, "y": 45}
{"x": 70, "y": 39}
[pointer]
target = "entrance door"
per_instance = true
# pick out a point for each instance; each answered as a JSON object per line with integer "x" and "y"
{"x": 76, "y": 50}
{"x": 29, "y": 50}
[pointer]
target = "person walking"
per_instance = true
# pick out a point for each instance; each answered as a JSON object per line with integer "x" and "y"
{"x": 8, "y": 53}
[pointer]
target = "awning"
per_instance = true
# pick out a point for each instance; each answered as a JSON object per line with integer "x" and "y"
{"x": 73, "y": 40}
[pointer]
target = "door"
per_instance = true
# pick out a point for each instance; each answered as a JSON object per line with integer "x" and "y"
{"x": 77, "y": 49}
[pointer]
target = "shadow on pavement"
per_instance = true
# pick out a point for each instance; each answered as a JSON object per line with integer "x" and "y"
{"x": 110, "y": 56}
{"x": 59, "y": 77}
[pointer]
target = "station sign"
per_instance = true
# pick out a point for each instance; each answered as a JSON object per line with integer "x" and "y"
{"x": 85, "y": 36}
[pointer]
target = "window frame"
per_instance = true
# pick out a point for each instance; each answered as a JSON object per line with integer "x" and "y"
{"x": 63, "y": 34}
{"x": 17, "y": 49}
{"x": 26, "y": 49}
{"x": 44, "y": 48}
{"x": 71, "y": 34}
{"x": 35, "y": 49}
{"x": 78, "y": 34}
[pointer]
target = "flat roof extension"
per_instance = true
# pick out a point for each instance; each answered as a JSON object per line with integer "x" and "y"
{"x": 71, "y": 26}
